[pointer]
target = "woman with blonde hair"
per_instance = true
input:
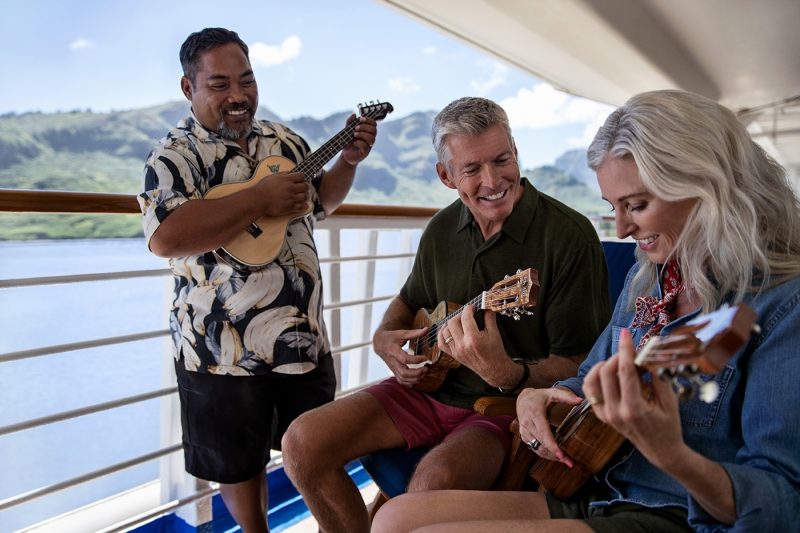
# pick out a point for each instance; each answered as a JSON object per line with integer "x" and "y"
{"x": 716, "y": 222}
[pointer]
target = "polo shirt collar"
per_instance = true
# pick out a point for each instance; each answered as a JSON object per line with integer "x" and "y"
{"x": 517, "y": 224}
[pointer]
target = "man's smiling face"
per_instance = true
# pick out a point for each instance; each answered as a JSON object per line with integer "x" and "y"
{"x": 484, "y": 170}
{"x": 224, "y": 93}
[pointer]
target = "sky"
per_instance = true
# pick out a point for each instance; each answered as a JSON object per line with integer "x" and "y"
{"x": 310, "y": 57}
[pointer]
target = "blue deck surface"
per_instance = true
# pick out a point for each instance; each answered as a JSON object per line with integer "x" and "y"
{"x": 286, "y": 508}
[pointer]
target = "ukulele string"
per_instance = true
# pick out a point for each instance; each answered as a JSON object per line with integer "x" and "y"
{"x": 430, "y": 338}
{"x": 433, "y": 333}
{"x": 314, "y": 162}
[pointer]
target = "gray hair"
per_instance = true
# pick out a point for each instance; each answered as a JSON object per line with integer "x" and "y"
{"x": 745, "y": 227}
{"x": 466, "y": 116}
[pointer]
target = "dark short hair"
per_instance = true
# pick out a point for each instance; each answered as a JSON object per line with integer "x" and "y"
{"x": 202, "y": 41}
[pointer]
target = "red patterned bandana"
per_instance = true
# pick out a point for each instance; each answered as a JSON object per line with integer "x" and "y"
{"x": 658, "y": 313}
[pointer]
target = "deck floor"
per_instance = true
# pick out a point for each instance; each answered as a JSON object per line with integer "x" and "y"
{"x": 309, "y": 525}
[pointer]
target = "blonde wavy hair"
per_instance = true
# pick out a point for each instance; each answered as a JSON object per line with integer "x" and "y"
{"x": 744, "y": 233}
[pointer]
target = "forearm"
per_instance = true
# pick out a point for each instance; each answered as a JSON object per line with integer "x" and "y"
{"x": 554, "y": 368}
{"x": 541, "y": 374}
{"x": 199, "y": 226}
{"x": 336, "y": 184}
{"x": 397, "y": 316}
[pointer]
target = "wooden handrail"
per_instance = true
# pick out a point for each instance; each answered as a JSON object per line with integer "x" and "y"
{"x": 27, "y": 201}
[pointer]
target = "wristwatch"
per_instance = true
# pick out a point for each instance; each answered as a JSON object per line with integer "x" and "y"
{"x": 526, "y": 372}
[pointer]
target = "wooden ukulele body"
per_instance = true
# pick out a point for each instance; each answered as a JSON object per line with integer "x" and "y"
{"x": 261, "y": 242}
{"x": 703, "y": 345}
{"x": 510, "y": 297}
{"x": 441, "y": 362}
{"x": 589, "y": 442}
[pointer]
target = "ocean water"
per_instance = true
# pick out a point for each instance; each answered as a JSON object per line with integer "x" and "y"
{"x": 30, "y": 388}
{"x": 32, "y": 317}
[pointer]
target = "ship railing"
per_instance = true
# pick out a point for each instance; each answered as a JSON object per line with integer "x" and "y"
{"x": 350, "y": 323}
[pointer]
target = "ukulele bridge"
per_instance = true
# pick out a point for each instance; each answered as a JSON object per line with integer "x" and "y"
{"x": 254, "y": 230}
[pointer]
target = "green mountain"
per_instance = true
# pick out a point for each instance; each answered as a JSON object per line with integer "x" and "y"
{"x": 105, "y": 152}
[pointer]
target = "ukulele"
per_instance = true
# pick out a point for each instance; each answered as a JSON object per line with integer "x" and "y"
{"x": 509, "y": 297}
{"x": 702, "y": 346}
{"x": 258, "y": 244}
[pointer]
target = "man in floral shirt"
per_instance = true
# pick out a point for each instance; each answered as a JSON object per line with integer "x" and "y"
{"x": 248, "y": 342}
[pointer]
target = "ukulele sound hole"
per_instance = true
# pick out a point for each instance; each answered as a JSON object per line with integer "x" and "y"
{"x": 254, "y": 230}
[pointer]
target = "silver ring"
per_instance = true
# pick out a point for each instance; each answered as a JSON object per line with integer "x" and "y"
{"x": 448, "y": 340}
{"x": 534, "y": 444}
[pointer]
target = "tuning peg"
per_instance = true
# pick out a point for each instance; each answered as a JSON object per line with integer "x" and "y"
{"x": 665, "y": 373}
{"x": 516, "y": 313}
{"x": 709, "y": 391}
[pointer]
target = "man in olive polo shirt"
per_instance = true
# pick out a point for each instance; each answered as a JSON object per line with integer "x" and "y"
{"x": 499, "y": 224}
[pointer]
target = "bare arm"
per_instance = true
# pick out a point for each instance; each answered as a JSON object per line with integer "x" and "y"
{"x": 397, "y": 316}
{"x": 339, "y": 178}
{"x": 336, "y": 185}
{"x": 199, "y": 226}
{"x": 390, "y": 337}
{"x": 554, "y": 368}
{"x": 483, "y": 352}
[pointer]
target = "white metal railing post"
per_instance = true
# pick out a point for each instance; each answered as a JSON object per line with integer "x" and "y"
{"x": 191, "y": 497}
{"x": 361, "y": 325}
{"x": 175, "y": 482}
{"x": 334, "y": 282}
{"x": 406, "y": 246}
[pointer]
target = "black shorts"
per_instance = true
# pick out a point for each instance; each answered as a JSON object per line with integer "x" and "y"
{"x": 628, "y": 517}
{"x": 228, "y": 423}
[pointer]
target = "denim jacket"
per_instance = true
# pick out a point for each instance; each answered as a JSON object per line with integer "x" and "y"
{"x": 752, "y": 429}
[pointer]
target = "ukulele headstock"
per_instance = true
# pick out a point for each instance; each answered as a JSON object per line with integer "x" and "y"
{"x": 703, "y": 346}
{"x": 376, "y": 110}
{"x": 511, "y": 296}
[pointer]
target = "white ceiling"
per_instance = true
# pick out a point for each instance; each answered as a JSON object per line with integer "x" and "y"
{"x": 743, "y": 53}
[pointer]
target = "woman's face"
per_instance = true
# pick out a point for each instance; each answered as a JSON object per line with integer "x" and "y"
{"x": 654, "y": 223}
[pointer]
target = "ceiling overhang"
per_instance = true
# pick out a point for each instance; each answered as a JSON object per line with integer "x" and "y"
{"x": 742, "y": 53}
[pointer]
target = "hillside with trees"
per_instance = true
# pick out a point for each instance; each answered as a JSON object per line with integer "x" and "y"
{"x": 105, "y": 152}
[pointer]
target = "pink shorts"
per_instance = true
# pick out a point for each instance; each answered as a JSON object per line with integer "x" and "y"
{"x": 425, "y": 422}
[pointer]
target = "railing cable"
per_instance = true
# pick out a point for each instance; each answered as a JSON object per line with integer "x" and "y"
{"x": 83, "y": 411}
{"x": 89, "y": 476}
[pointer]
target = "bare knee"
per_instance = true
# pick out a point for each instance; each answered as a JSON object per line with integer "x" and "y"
{"x": 304, "y": 448}
{"x": 451, "y": 465}
{"x": 433, "y": 477}
{"x": 392, "y": 515}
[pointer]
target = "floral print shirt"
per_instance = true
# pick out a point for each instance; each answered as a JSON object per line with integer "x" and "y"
{"x": 224, "y": 320}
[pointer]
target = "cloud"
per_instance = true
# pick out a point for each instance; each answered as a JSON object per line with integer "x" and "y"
{"x": 81, "y": 44}
{"x": 589, "y": 131}
{"x": 497, "y": 77}
{"x": 404, "y": 84}
{"x": 266, "y": 55}
{"x": 545, "y": 107}
{"x": 430, "y": 50}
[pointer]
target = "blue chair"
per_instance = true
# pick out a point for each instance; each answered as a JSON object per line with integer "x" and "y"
{"x": 391, "y": 469}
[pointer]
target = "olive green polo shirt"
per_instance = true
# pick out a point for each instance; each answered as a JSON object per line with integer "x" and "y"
{"x": 454, "y": 263}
